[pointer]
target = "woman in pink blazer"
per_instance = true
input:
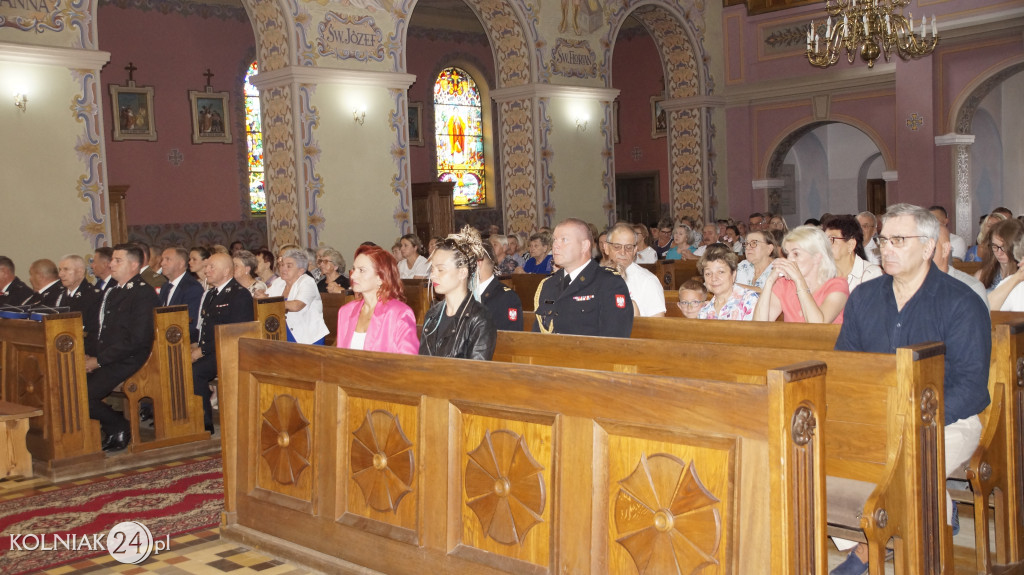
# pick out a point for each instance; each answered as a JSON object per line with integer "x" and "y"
{"x": 378, "y": 319}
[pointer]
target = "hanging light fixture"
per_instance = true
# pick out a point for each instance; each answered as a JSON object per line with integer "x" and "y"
{"x": 870, "y": 27}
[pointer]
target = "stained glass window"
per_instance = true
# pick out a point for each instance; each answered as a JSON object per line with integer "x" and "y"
{"x": 254, "y": 142}
{"x": 459, "y": 128}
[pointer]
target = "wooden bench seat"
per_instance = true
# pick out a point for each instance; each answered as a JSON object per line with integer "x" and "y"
{"x": 525, "y": 286}
{"x": 408, "y": 465}
{"x": 15, "y": 460}
{"x": 883, "y": 433}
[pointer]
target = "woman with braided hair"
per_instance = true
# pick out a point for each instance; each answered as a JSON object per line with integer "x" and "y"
{"x": 457, "y": 326}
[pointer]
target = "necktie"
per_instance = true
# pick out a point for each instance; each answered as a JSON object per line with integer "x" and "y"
{"x": 103, "y": 311}
{"x": 203, "y": 304}
{"x": 99, "y": 284}
{"x": 566, "y": 280}
{"x": 169, "y": 291}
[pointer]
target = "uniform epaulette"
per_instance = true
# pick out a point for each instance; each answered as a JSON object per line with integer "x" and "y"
{"x": 613, "y": 270}
{"x": 505, "y": 288}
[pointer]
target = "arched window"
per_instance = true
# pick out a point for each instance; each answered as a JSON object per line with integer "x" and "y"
{"x": 254, "y": 145}
{"x": 458, "y": 123}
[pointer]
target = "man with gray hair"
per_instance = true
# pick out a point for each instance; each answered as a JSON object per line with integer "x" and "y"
{"x": 869, "y": 226}
{"x": 645, "y": 290}
{"x": 916, "y": 303}
{"x": 78, "y": 295}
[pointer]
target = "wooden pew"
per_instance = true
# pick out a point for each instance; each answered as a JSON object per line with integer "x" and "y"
{"x": 996, "y": 470}
{"x": 967, "y": 267}
{"x": 332, "y": 303}
{"x": 43, "y": 366}
{"x": 166, "y": 380}
{"x": 269, "y": 313}
{"x": 408, "y": 465}
{"x": 673, "y": 273}
{"x": 418, "y": 296}
{"x": 525, "y": 286}
{"x": 884, "y": 432}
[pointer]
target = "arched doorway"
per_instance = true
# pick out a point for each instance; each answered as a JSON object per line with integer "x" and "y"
{"x": 825, "y": 167}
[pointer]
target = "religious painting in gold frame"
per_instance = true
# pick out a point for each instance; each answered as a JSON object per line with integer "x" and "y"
{"x": 211, "y": 121}
{"x": 659, "y": 117}
{"x": 133, "y": 113}
{"x": 416, "y": 123}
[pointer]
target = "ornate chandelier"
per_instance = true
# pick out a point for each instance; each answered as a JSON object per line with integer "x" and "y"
{"x": 870, "y": 27}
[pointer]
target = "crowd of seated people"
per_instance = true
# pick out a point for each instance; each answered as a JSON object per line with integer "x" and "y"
{"x": 755, "y": 270}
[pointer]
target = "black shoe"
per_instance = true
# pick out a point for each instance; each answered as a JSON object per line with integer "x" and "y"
{"x": 209, "y": 429}
{"x": 146, "y": 413}
{"x": 118, "y": 440}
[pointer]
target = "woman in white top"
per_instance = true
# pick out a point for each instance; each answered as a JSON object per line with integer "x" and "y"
{"x": 761, "y": 248}
{"x": 847, "y": 239}
{"x": 305, "y": 310}
{"x": 412, "y": 265}
{"x": 645, "y": 254}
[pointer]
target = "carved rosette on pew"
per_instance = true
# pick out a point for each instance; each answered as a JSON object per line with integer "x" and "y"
{"x": 382, "y": 461}
{"x": 381, "y": 466}
{"x": 284, "y": 440}
{"x": 505, "y": 508}
{"x": 505, "y": 487}
{"x": 670, "y": 512}
{"x": 666, "y": 519}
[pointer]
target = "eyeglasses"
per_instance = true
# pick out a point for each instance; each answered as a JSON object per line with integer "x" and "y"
{"x": 997, "y": 248}
{"x": 323, "y": 261}
{"x": 691, "y": 303}
{"x": 896, "y": 241}
{"x": 624, "y": 248}
{"x": 752, "y": 244}
{"x": 833, "y": 239}
{"x": 668, "y": 231}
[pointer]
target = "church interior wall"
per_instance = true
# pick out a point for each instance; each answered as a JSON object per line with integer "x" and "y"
{"x": 637, "y": 150}
{"x": 202, "y": 182}
{"x": 358, "y": 203}
{"x": 42, "y": 212}
{"x": 579, "y": 180}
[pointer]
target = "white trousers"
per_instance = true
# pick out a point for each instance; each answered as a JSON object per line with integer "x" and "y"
{"x": 962, "y": 439}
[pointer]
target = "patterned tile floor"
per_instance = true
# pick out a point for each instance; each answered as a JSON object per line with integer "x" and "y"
{"x": 204, "y": 553}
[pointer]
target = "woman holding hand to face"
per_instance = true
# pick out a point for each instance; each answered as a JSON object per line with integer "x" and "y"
{"x": 803, "y": 286}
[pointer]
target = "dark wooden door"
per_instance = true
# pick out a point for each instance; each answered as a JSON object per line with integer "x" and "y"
{"x": 637, "y": 197}
{"x": 876, "y": 196}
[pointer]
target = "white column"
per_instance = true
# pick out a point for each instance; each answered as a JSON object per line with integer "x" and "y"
{"x": 962, "y": 176}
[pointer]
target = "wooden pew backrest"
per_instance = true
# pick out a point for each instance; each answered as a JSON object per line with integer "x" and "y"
{"x": 402, "y": 457}
{"x": 166, "y": 379}
{"x": 269, "y": 312}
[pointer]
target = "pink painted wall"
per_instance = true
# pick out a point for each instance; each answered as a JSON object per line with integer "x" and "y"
{"x": 171, "y": 53}
{"x": 926, "y": 87}
{"x": 637, "y": 84}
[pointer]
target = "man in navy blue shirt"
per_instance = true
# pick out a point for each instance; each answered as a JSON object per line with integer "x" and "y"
{"x": 917, "y": 303}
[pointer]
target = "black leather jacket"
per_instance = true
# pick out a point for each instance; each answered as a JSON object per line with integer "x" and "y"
{"x": 471, "y": 335}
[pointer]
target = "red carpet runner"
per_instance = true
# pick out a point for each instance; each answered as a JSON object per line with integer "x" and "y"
{"x": 169, "y": 501}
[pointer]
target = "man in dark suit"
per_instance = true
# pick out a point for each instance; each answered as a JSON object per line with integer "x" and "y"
{"x": 80, "y": 296}
{"x": 501, "y": 301}
{"x": 181, "y": 288}
{"x": 584, "y": 298}
{"x": 13, "y": 291}
{"x": 101, "y": 268}
{"x": 42, "y": 274}
{"x": 150, "y": 275}
{"x": 227, "y": 302}
{"x": 125, "y": 339}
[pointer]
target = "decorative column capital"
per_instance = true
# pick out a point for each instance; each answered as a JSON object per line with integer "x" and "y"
{"x": 954, "y": 139}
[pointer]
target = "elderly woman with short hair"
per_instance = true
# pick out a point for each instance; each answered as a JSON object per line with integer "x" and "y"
{"x": 332, "y": 270}
{"x": 729, "y": 300}
{"x": 245, "y": 272}
{"x": 803, "y": 286}
{"x": 684, "y": 242}
{"x": 761, "y": 249}
{"x": 304, "y": 310}
{"x": 540, "y": 258}
{"x": 847, "y": 239}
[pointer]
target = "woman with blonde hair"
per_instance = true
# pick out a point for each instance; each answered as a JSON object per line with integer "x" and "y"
{"x": 684, "y": 242}
{"x": 458, "y": 326}
{"x": 803, "y": 286}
